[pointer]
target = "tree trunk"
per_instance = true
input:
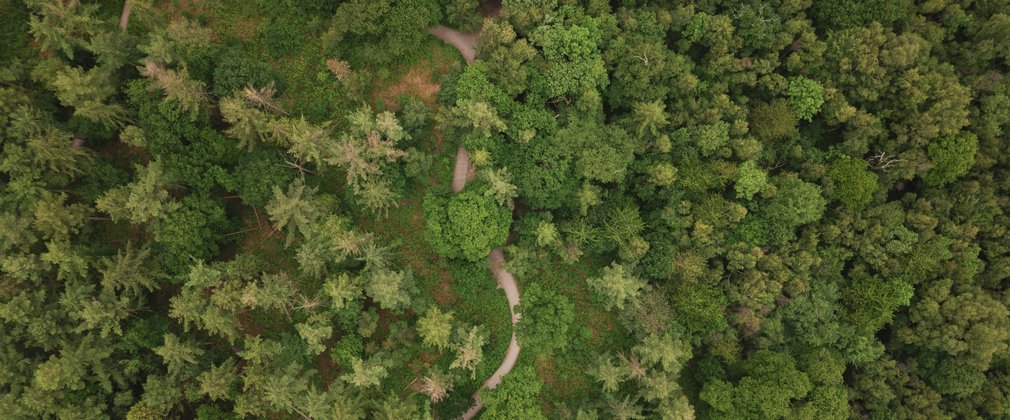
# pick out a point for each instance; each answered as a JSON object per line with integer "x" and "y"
{"x": 124, "y": 18}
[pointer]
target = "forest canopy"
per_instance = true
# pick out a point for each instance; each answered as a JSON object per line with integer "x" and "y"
{"x": 573, "y": 209}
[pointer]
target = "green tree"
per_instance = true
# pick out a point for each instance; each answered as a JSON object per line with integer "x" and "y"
{"x": 218, "y": 382}
{"x": 177, "y": 86}
{"x": 649, "y": 118}
{"x": 143, "y": 200}
{"x": 177, "y": 355}
{"x": 546, "y": 318}
{"x": 771, "y": 385}
{"x": 365, "y": 374}
{"x": 618, "y": 285}
{"x": 773, "y": 121}
{"x": 293, "y": 209}
{"x": 477, "y": 116}
{"x": 466, "y": 225}
{"x": 516, "y": 397}
{"x": 806, "y": 96}
{"x": 952, "y": 157}
{"x": 854, "y": 185}
{"x": 750, "y": 180}
{"x": 315, "y": 331}
{"x": 391, "y": 289}
{"x": 469, "y": 349}
{"x": 435, "y": 327}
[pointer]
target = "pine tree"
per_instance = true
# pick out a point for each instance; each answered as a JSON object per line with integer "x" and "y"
{"x": 469, "y": 349}
{"x": 609, "y": 374}
{"x": 218, "y": 382}
{"x": 391, "y": 289}
{"x": 54, "y": 149}
{"x": 342, "y": 289}
{"x": 618, "y": 285}
{"x": 177, "y": 355}
{"x": 317, "y": 329}
{"x": 294, "y": 209}
{"x": 435, "y": 327}
{"x": 365, "y": 374}
{"x": 129, "y": 272}
{"x": 143, "y": 200}
{"x": 177, "y": 86}
{"x": 60, "y": 26}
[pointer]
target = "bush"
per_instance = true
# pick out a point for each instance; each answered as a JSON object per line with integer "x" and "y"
{"x": 237, "y": 70}
{"x": 546, "y": 319}
{"x": 282, "y": 35}
{"x": 190, "y": 232}
{"x": 257, "y": 174}
{"x": 952, "y": 157}
{"x": 466, "y": 225}
{"x": 854, "y": 185}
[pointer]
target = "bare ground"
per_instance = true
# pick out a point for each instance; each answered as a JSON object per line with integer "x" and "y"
{"x": 464, "y": 171}
{"x": 462, "y": 41}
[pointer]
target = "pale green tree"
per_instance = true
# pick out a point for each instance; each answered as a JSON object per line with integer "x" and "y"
{"x": 618, "y": 285}
{"x": 435, "y": 327}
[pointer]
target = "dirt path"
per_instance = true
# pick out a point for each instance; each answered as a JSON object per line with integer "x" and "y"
{"x": 506, "y": 282}
{"x": 464, "y": 170}
{"x": 463, "y": 41}
{"x": 124, "y": 18}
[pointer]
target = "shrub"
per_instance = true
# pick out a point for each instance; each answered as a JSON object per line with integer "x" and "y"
{"x": 237, "y": 70}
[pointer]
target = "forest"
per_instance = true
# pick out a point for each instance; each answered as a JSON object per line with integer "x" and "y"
{"x": 504, "y": 209}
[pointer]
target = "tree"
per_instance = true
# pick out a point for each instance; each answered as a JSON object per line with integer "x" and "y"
{"x": 546, "y": 318}
{"x": 62, "y": 26}
{"x": 750, "y": 180}
{"x": 365, "y": 374}
{"x": 796, "y": 203}
{"x": 469, "y": 349}
{"x": 516, "y": 396}
{"x": 177, "y": 86}
{"x": 218, "y": 382}
{"x": 342, "y": 289}
{"x": 177, "y": 354}
{"x": 391, "y": 289}
{"x": 435, "y": 327}
{"x": 649, "y": 117}
{"x": 293, "y": 209}
{"x": 54, "y": 148}
{"x": 143, "y": 200}
{"x": 466, "y": 225}
{"x": 436, "y": 386}
{"x": 666, "y": 352}
{"x": 478, "y": 116}
{"x": 768, "y": 390}
{"x": 952, "y": 157}
{"x": 56, "y": 220}
{"x": 854, "y": 185}
{"x": 773, "y": 121}
{"x": 129, "y": 271}
{"x": 806, "y": 96}
{"x": 314, "y": 332}
{"x": 618, "y": 285}
{"x": 499, "y": 186}
{"x": 609, "y": 374}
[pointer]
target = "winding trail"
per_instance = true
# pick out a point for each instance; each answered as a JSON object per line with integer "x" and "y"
{"x": 124, "y": 17}
{"x": 464, "y": 171}
{"x": 463, "y": 41}
{"x": 506, "y": 282}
